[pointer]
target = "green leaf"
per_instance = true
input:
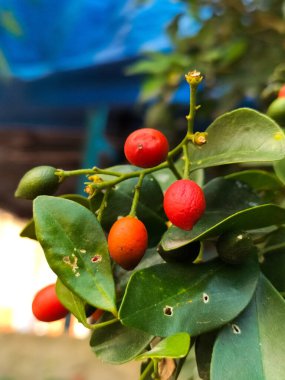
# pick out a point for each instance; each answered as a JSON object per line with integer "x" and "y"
{"x": 169, "y": 298}
{"x": 229, "y": 205}
{"x": 174, "y": 346}
{"x": 72, "y": 302}
{"x": 149, "y": 209}
{"x": 259, "y": 180}
{"x": 118, "y": 344}
{"x": 243, "y": 135}
{"x": 76, "y": 249}
{"x": 253, "y": 345}
{"x": 203, "y": 350}
{"x": 273, "y": 259}
{"x": 165, "y": 177}
{"x": 279, "y": 167}
{"x": 273, "y": 266}
{"x": 29, "y": 229}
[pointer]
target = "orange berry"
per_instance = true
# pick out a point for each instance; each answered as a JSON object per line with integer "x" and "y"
{"x": 46, "y": 306}
{"x": 97, "y": 314}
{"x": 146, "y": 147}
{"x": 184, "y": 203}
{"x": 281, "y": 92}
{"x": 127, "y": 241}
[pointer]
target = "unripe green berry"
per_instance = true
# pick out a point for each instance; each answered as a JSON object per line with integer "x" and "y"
{"x": 234, "y": 247}
{"x": 41, "y": 180}
{"x": 276, "y": 110}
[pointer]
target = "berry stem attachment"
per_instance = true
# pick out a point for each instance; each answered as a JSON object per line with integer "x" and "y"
{"x": 136, "y": 195}
{"x": 187, "y": 164}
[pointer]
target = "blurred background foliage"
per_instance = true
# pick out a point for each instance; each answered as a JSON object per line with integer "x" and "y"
{"x": 238, "y": 44}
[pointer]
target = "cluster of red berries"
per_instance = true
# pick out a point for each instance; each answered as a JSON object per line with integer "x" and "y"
{"x": 184, "y": 204}
{"x": 184, "y": 201}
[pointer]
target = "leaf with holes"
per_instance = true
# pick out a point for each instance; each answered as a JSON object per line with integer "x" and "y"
{"x": 242, "y": 135}
{"x": 117, "y": 344}
{"x": 230, "y": 205}
{"x": 253, "y": 345}
{"x": 174, "y": 346}
{"x": 192, "y": 299}
{"x": 76, "y": 249}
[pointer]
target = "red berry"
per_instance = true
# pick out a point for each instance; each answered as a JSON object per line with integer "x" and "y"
{"x": 184, "y": 203}
{"x": 146, "y": 147}
{"x": 281, "y": 93}
{"x": 127, "y": 241}
{"x": 46, "y": 306}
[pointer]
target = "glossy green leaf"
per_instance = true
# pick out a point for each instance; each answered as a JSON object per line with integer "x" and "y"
{"x": 72, "y": 302}
{"x": 118, "y": 344}
{"x": 149, "y": 210}
{"x": 192, "y": 299}
{"x": 76, "y": 249}
{"x": 164, "y": 177}
{"x": 29, "y": 229}
{"x": 253, "y": 345}
{"x": 229, "y": 205}
{"x": 174, "y": 346}
{"x": 260, "y": 180}
{"x": 243, "y": 135}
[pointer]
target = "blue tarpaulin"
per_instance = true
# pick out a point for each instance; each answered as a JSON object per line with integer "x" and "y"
{"x": 42, "y": 37}
{"x": 74, "y": 52}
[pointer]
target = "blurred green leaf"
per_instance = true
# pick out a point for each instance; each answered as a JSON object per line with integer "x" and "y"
{"x": 174, "y": 346}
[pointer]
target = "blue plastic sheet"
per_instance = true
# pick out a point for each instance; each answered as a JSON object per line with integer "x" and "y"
{"x": 42, "y": 37}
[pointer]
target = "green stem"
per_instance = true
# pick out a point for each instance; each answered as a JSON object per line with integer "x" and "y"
{"x": 68, "y": 173}
{"x": 186, "y": 173}
{"x": 172, "y": 167}
{"x": 136, "y": 195}
{"x": 146, "y": 370}
{"x": 155, "y": 368}
{"x": 166, "y": 164}
{"x": 193, "y": 108}
{"x": 94, "y": 170}
{"x": 101, "y": 324}
{"x": 103, "y": 204}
